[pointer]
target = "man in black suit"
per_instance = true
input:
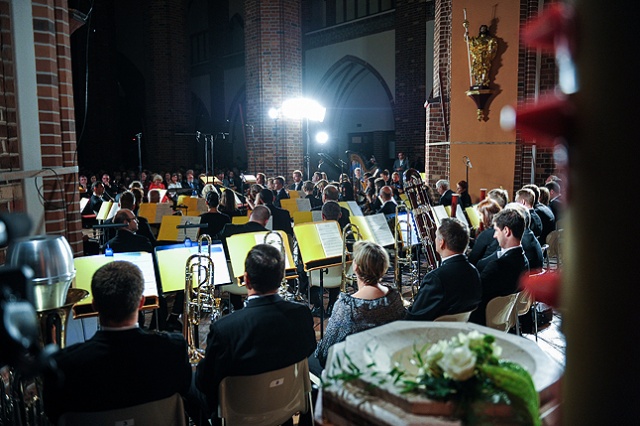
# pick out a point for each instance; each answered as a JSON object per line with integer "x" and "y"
{"x": 126, "y": 239}
{"x": 556, "y": 203}
{"x": 308, "y": 188}
{"x": 297, "y": 181}
{"x": 96, "y": 199}
{"x": 121, "y": 365}
{"x": 281, "y": 218}
{"x": 500, "y": 272}
{"x": 192, "y": 183}
{"x": 442, "y": 186}
{"x": 129, "y": 201}
{"x": 280, "y": 192}
{"x": 257, "y": 222}
{"x": 332, "y": 193}
{"x": 544, "y": 212}
{"x": 268, "y": 334}
{"x": 388, "y": 203}
{"x": 454, "y": 286}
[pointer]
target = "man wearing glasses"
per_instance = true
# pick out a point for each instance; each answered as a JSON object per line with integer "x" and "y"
{"x": 126, "y": 239}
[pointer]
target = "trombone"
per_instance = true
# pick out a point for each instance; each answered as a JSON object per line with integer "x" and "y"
{"x": 350, "y": 235}
{"x": 402, "y": 228}
{"x": 200, "y": 295}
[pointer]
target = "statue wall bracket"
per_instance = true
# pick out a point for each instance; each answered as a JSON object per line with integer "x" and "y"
{"x": 480, "y": 95}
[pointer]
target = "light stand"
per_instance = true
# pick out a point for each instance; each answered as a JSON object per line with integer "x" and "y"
{"x": 139, "y": 137}
{"x": 467, "y": 165}
{"x": 307, "y": 158}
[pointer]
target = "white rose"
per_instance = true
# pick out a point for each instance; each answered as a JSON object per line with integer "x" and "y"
{"x": 458, "y": 363}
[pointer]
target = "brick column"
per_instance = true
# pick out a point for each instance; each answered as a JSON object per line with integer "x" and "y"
{"x": 411, "y": 32}
{"x": 168, "y": 100}
{"x": 273, "y": 64}
{"x": 437, "y": 113}
{"x": 57, "y": 119}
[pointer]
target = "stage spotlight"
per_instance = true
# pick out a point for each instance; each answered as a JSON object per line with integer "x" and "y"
{"x": 322, "y": 137}
{"x": 274, "y": 113}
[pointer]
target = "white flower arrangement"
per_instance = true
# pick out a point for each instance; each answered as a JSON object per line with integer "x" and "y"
{"x": 467, "y": 369}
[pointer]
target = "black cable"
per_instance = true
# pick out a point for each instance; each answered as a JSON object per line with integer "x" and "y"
{"x": 86, "y": 83}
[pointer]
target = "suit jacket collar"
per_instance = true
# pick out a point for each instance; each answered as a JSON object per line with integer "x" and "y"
{"x": 454, "y": 259}
{"x": 263, "y": 300}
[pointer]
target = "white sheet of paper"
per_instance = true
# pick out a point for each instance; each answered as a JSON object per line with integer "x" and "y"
{"x": 355, "y": 208}
{"x": 192, "y": 233}
{"x": 439, "y": 213}
{"x": 330, "y": 238}
{"x": 144, "y": 261}
{"x": 304, "y": 204}
{"x": 460, "y": 215}
{"x": 380, "y": 229}
{"x": 316, "y": 216}
{"x": 274, "y": 241}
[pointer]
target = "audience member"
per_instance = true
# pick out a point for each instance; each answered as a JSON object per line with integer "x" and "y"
{"x": 555, "y": 201}
{"x": 96, "y": 199}
{"x": 500, "y": 195}
{"x": 110, "y": 191}
{"x": 544, "y": 212}
{"x": 331, "y": 193}
{"x": 297, "y": 181}
{"x": 464, "y": 200}
{"x": 281, "y": 219}
{"x": 401, "y": 164}
{"x": 280, "y": 192}
{"x": 454, "y": 287}
{"x": 484, "y": 244}
{"x": 442, "y": 186}
{"x": 268, "y": 334}
{"x": 126, "y": 239}
{"x": 500, "y": 272}
{"x": 389, "y": 205}
{"x": 121, "y": 364}
{"x": 192, "y": 183}
{"x": 214, "y": 220}
{"x": 372, "y": 305}
{"x": 308, "y": 188}
{"x": 526, "y": 197}
{"x": 530, "y": 244}
{"x": 228, "y": 205}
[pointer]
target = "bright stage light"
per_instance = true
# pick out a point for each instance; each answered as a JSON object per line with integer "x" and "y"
{"x": 322, "y": 137}
{"x": 274, "y": 113}
{"x": 303, "y": 108}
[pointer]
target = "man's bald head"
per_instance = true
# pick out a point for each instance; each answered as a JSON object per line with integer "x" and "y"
{"x": 386, "y": 193}
{"x": 330, "y": 193}
{"x": 261, "y": 215}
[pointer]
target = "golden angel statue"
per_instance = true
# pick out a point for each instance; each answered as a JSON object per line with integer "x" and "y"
{"x": 482, "y": 51}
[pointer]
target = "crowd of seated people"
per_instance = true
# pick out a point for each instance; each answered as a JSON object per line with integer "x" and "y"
{"x": 471, "y": 272}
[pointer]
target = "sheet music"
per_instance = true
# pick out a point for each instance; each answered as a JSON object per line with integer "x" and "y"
{"x": 355, "y": 208}
{"x": 192, "y": 233}
{"x": 163, "y": 209}
{"x": 460, "y": 215}
{"x": 380, "y": 229}
{"x": 414, "y": 230}
{"x": 144, "y": 261}
{"x": 112, "y": 212}
{"x": 269, "y": 224}
{"x": 439, "y": 213}
{"x": 105, "y": 208}
{"x": 304, "y": 204}
{"x": 83, "y": 203}
{"x": 316, "y": 216}
{"x": 330, "y": 238}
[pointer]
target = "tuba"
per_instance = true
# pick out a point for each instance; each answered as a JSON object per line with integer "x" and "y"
{"x": 199, "y": 296}
{"x": 401, "y": 244}
{"x": 350, "y": 235}
{"x": 419, "y": 198}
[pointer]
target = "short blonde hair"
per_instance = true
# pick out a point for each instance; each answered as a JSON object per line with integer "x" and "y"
{"x": 372, "y": 261}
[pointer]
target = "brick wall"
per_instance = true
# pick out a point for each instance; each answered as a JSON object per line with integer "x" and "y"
{"x": 534, "y": 70}
{"x": 438, "y": 110}
{"x": 437, "y": 114}
{"x": 56, "y": 119}
{"x": 411, "y": 92}
{"x": 273, "y": 67}
{"x": 168, "y": 99}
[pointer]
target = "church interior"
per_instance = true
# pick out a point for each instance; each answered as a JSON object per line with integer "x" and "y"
{"x": 498, "y": 95}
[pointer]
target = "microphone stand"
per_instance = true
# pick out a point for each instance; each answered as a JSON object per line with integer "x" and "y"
{"x": 139, "y": 136}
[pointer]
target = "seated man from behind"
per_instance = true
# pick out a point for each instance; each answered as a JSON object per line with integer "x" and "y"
{"x": 501, "y": 271}
{"x": 268, "y": 334}
{"x": 454, "y": 287}
{"x": 121, "y": 365}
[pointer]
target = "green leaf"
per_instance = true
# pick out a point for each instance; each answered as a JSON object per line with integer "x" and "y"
{"x": 516, "y": 382}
